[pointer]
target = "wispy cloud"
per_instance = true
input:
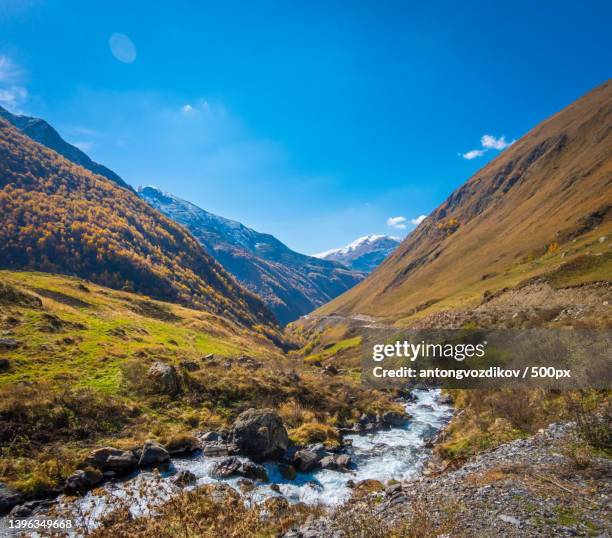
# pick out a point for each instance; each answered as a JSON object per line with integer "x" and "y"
{"x": 473, "y": 154}
{"x": 201, "y": 106}
{"x": 487, "y": 142}
{"x": 418, "y": 220}
{"x": 83, "y": 146}
{"x": 12, "y": 93}
{"x": 397, "y": 222}
{"x": 9, "y": 71}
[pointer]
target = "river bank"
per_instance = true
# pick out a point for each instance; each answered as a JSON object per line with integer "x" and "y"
{"x": 394, "y": 454}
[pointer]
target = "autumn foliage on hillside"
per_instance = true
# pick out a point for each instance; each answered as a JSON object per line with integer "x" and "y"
{"x": 58, "y": 217}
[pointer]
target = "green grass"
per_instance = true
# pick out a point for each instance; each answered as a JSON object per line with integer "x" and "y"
{"x": 342, "y": 345}
{"x": 112, "y": 334}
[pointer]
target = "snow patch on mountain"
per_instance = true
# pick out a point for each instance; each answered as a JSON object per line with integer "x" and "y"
{"x": 363, "y": 254}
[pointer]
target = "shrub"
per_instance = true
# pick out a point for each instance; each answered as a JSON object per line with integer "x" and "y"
{"x": 315, "y": 432}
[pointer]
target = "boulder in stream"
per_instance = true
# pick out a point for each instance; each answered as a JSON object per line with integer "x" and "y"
{"x": 395, "y": 419}
{"x": 254, "y": 471}
{"x": 82, "y": 480}
{"x": 184, "y": 478}
{"x": 111, "y": 459}
{"x": 152, "y": 453}
{"x": 227, "y": 467}
{"x": 336, "y": 462}
{"x": 260, "y": 434}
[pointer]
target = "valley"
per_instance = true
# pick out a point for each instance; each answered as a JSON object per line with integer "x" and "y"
{"x": 154, "y": 355}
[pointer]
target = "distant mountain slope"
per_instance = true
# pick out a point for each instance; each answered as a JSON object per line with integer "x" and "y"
{"x": 56, "y": 216}
{"x": 40, "y": 131}
{"x": 517, "y": 217}
{"x": 290, "y": 283}
{"x": 363, "y": 254}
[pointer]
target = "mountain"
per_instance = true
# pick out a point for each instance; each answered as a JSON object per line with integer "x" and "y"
{"x": 363, "y": 254}
{"x": 290, "y": 283}
{"x": 58, "y": 217}
{"x": 543, "y": 205}
{"x": 40, "y": 131}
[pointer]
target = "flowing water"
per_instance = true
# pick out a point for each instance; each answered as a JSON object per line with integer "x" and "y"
{"x": 397, "y": 454}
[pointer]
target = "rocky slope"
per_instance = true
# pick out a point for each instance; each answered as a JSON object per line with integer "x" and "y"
{"x": 514, "y": 219}
{"x": 291, "y": 284}
{"x": 528, "y": 487}
{"x": 40, "y": 131}
{"x": 363, "y": 254}
{"x": 59, "y": 217}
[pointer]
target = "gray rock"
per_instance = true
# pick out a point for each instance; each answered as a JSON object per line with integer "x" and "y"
{"x": 8, "y": 498}
{"x": 215, "y": 449}
{"x": 152, "y": 453}
{"x": 260, "y": 434}
{"x": 184, "y": 478}
{"x": 211, "y": 437}
{"x": 306, "y": 460}
{"x": 164, "y": 378}
{"x": 336, "y": 462}
{"x": 82, "y": 480}
{"x": 112, "y": 459}
{"x": 227, "y": 467}
{"x": 509, "y": 519}
{"x": 254, "y": 471}
{"x": 395, "y": 419}
{"x": 190, "y": 366}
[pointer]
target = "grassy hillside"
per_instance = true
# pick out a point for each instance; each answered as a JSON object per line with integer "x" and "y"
{"x": 59, "y": 217}
{"x": 74, "y": 359}
{"x": 521, "y": 215}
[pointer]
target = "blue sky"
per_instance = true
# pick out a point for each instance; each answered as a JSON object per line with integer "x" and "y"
{"x": 314, "y": 121}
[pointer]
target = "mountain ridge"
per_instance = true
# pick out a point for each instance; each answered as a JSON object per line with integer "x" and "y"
{"x": 291, "y": 284}
{"x": 518, "y": 212}
{"x": 45, "y": 134}
{"x": 59, "y": 217}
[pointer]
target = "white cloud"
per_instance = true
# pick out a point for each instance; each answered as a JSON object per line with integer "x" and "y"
{"x": 418, "y": 220}
{"x": 397, "y": 222}
{"x": 472, "y": 154}
{"x": 187, "y": 109}
{"x": 490, "y": 142}
{"x": 487, "y": 142}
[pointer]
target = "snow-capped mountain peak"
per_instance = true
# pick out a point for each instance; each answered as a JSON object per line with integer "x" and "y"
{"x": 363, "y": 254}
